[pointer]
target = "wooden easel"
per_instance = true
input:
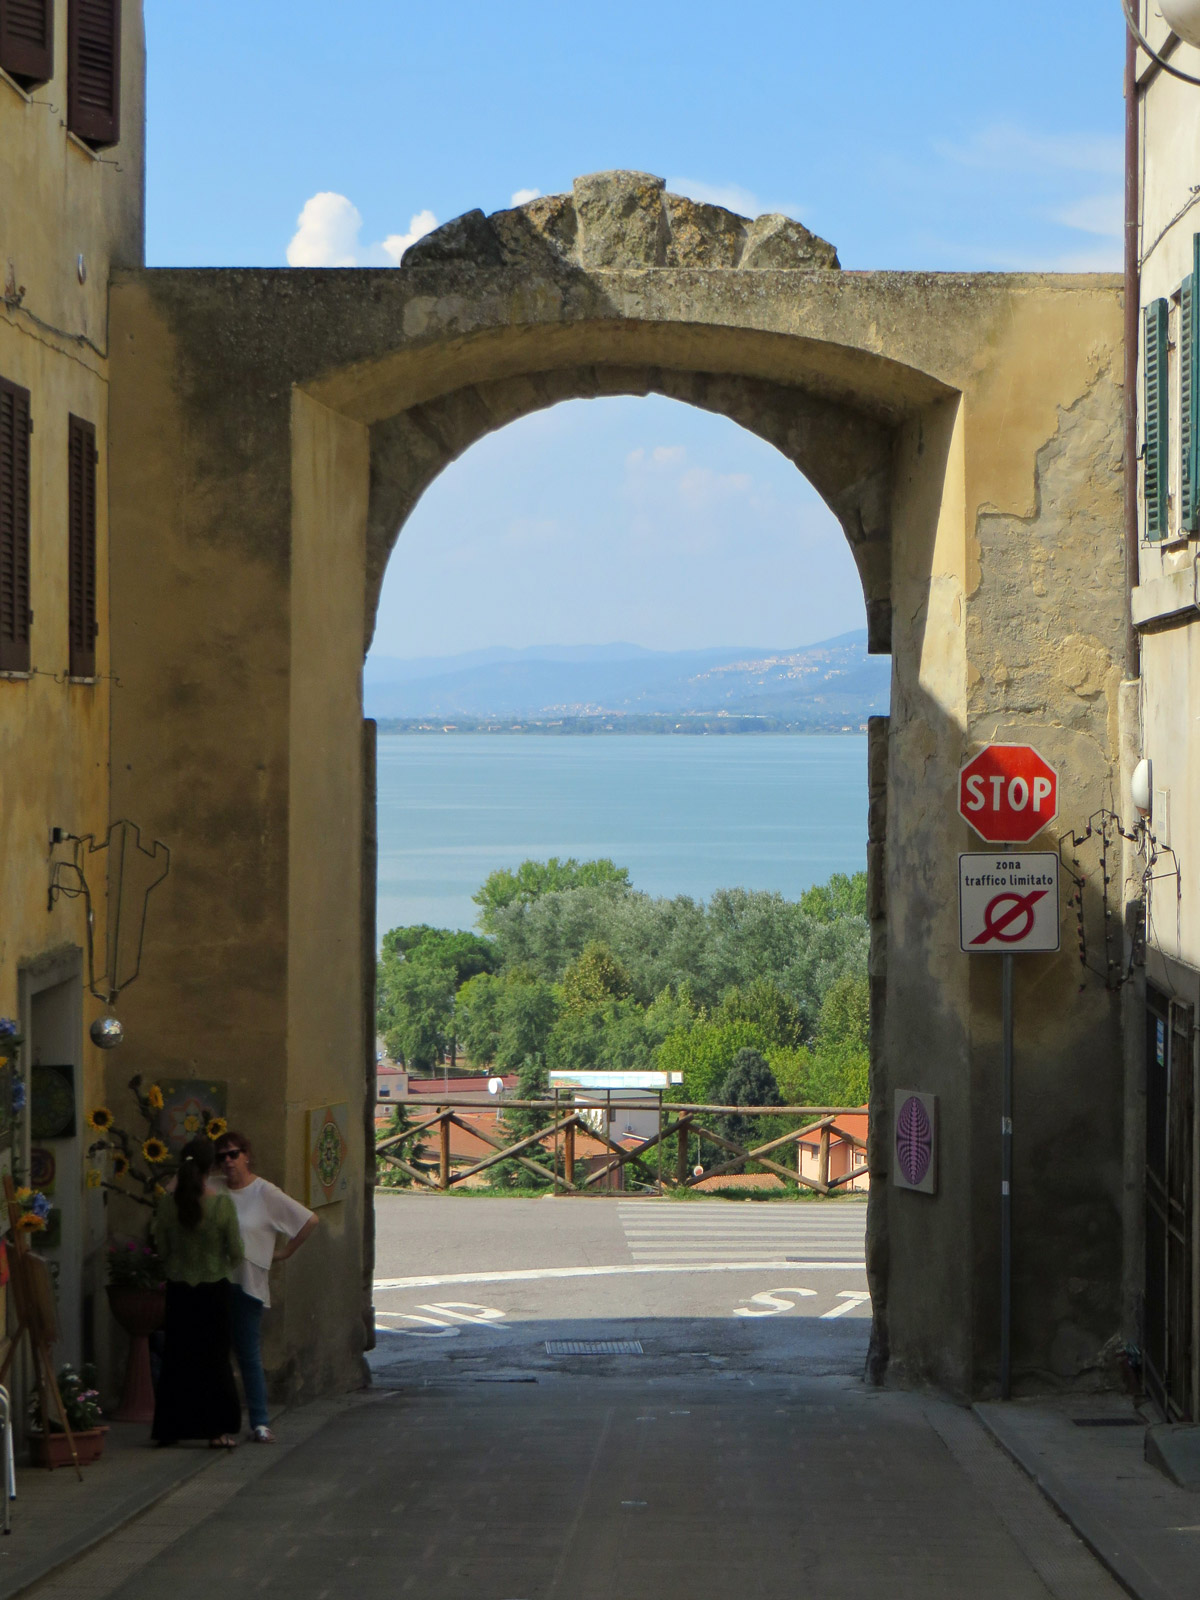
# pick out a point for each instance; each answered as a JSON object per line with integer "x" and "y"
{"x": 33, "y": 1295}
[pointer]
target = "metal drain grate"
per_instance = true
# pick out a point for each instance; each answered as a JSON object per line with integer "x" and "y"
{"x": 593, "y": 1347}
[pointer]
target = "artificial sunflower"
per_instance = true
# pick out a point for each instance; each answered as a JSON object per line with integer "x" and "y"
{"x": 216, "y": 1128}
{"x": 155, "y": 1151}
{"x": 100, "y": 1118}
{"x": 30, "y": 1222}
{"x": 120, "y": 1165}
{"x": 154, "y": 1097}
{"x": 93, "y": 1178}
{"x": 24, "y": 1195}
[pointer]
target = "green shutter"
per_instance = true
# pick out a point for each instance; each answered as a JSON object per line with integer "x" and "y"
{"x": 1187, "y": 389}
{"x": 1155, "y": 420}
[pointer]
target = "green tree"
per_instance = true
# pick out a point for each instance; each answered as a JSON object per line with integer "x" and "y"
{"x": 476, "y": 1017}
{"x": 842, "y": 896}
{"x": 608, "y": 1037}
{"x": 773, "y": 1012}
{"x": 466, "y": 953}
{"x": 416, "y": 1012}
{"x": 594, "y": 978}
{"x": 793, "y": 1074}
{"x": 749, "y": 1082}
{"x": 704, "y": 1055}
{"x": 533, "y": 879}
{"x": 841, "y": 1053}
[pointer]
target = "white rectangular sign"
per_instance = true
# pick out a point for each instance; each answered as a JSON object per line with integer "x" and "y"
{"x": 1008, "y": 904}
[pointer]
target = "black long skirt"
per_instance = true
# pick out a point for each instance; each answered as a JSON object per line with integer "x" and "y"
{"x": 196, "y": 1396}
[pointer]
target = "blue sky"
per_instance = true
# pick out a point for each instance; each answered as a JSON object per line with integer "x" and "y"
{"x": 921, "y": 135}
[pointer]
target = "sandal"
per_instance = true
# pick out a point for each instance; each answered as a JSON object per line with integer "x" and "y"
{"x": 224, "y": 1441}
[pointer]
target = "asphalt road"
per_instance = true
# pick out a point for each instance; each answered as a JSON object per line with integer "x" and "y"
{"x": 701, "y": 1285}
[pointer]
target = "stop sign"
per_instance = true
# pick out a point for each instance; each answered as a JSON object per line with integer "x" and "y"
{"x": 1008, "y": 793}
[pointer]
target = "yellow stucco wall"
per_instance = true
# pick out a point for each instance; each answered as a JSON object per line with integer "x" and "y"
{"x": 67, "y": 216}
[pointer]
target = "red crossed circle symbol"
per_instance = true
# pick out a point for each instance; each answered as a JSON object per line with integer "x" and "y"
{"x": 1001, "y": 926}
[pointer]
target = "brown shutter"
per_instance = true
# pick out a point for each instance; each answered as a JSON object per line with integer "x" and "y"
{"x": 94, "y": 70}
{"x": 27, "y": 40}
{"x": 81, "y": 531}
{"x": 15, "y": 615}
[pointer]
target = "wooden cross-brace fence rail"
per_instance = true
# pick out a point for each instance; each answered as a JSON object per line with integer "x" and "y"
{"x": 824, "y": 1120}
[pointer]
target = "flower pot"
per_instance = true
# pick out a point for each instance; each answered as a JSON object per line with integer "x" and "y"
{"x": 140, "y": 1312}
{"x": 52, "y": 1449}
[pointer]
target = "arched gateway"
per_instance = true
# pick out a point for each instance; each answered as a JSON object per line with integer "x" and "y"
{"x": 273, "y": 431}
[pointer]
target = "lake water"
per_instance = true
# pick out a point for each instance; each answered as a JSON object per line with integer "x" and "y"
{"x": 686, "y": 815}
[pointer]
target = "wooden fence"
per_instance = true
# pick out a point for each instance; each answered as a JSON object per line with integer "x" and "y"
{"x": 677, "y": 1121}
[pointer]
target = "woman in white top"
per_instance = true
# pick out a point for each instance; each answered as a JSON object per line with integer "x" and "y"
{"x": 265, "y": 1214}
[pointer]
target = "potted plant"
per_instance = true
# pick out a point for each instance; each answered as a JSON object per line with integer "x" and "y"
{"x": 138, "y": 1166}
{"x": 81, "y": 1402}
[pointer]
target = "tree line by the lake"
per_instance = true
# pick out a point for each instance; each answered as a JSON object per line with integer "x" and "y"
{"x": 756, "y": 999}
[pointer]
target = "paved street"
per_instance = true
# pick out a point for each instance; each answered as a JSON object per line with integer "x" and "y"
{"x": 727, "y": 1442}
{"x": 756, "y": 1285}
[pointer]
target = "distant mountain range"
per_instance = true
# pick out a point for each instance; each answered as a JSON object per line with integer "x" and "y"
{"x": 826, "y": 686}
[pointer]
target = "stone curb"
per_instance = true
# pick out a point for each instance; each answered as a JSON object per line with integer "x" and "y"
{"x": 1082, "y": 1516}
{"x": 37, "y": 1568}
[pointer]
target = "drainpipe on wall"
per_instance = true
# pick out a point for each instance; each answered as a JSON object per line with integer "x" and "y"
{"x": 1132, "y": 342}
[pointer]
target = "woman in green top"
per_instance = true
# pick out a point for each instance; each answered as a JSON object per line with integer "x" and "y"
{"x": 198, "y": 1238}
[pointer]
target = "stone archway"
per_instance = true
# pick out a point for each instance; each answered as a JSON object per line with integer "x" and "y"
{"x": 272, "y": 430}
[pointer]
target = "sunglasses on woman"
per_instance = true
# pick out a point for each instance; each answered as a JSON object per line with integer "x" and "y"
{"x": 229, "y": 1155}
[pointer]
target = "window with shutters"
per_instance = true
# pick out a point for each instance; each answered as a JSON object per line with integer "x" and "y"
{"x": 94, "y": 70}
{"x": 1187, "y": 380}
{"x": 1156, "y": 406}
{"x": 15, "y": 615}
{"x": 27, "y": 40}
{"x": 81, "y": 542}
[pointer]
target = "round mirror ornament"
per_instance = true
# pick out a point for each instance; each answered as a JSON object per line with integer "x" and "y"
{"x": 107, "y": 1032}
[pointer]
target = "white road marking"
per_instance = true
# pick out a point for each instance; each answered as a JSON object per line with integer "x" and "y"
{"x": 437, "y": 1327}
{"x": 770, "y": 1303}
{"x": 458, "y": 1311}
{"x": 535, "y": 1274}
{"x": 850, "y": 1298}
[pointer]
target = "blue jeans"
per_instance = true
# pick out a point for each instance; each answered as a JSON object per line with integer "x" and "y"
{"x": 245, "y": 1330}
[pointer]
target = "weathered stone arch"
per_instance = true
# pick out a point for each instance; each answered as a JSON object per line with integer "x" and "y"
{"x": 845, "y": 453}
{"x": 273, "y": 431}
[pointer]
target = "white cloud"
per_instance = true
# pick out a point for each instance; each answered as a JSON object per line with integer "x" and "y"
{"x": 327, "y": 231}
{"x": 669, "y": 455}
{"x": 1102, "y": 214}
{"x": 734, "y": 198}
{"x": 1005, "y": 147}
{"x": 397, "y": 243}
{"x": 700, "y": 487}
{"x": 522, "y": 197}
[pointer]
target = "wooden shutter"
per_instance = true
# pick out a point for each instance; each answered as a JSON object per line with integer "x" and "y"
{"x": 15, "y": 615}
{"x": 94, "y": 70}
{"x": 27, "y": 40}
{"x": 81, "y": 534}
{"x": 1155, "y": 419}
{"x": 1187, "y": 404}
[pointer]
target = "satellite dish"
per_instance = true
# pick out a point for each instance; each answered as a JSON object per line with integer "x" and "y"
{"x": 495, "y": 1085}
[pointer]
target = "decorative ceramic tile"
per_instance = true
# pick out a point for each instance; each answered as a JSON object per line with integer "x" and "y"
{"x": 51, "y": 1102}
{"x": 328, "y": 1179}
{"x": 189, "y": 1105}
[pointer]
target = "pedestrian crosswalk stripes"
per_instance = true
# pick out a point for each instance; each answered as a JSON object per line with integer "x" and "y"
{"x": 701, "y": 1231}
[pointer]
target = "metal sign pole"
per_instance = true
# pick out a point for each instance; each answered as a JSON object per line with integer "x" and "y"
{"x": 1006, "y": 1173}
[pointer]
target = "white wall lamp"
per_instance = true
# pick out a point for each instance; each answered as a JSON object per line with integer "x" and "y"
{"x": 1141, "y": 784}
{"x": 1183, "y": 19}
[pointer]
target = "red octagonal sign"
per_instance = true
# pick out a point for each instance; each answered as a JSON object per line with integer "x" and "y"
{"x": 1008, "y": 793}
